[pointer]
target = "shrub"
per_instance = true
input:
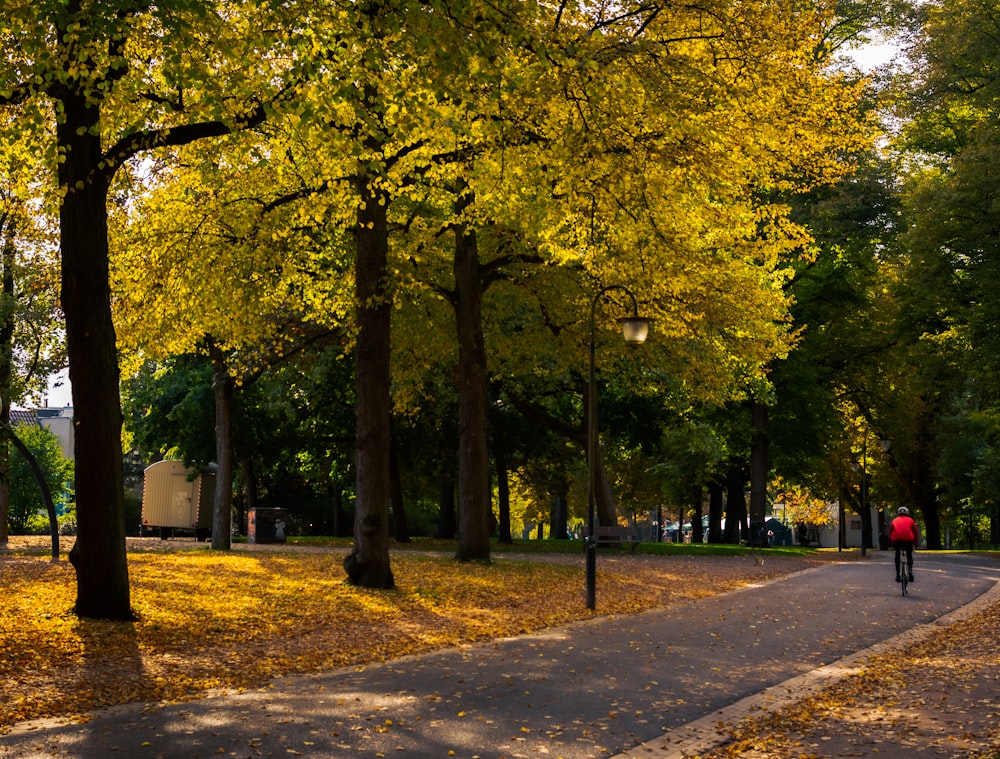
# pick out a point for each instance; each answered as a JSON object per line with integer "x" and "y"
{"x": 26, "y": 500}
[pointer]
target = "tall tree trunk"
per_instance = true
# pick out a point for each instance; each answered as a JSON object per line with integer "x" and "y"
{"x": 603, "y": 497}
{"x": 251, "y": 494}
{"x": 99, "y": 552}
{"x": 715, "y": 511}
{"x": 4, "y": 478}
{"x": 222, "y": 389}
{"x": 368, "y": 563}
{"x": 736, "y": 505}
{"x": 500, "y": 464}
{"x": 339, "y": 520}
{"x": 7, "y": 304}
{"x": 559, "y": 517}
{"x": 503, "y": 495}
{"x": 607, "y": 514}
{"x": 400, "y": 528}
{"x": 560, "y": 506}
{"x": 447, "y": 523}
{"x": 475, "y": 509}
{"x": 759, "y": 455}
{"x": 697, "y": 532}
{"x": 923, "y": 490}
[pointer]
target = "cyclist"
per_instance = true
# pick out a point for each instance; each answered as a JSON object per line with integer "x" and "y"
{"x": 904, "y": 536}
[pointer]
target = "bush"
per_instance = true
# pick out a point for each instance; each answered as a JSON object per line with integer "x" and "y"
{"x": 133, "y": 513}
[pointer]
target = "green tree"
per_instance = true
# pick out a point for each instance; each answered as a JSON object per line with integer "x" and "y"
{"x": 168, "y": 410}
{"x": 111, "y": 82}
{"x": 949, "y": 261}
{"x": 25, "y": 499}
{"x": 30, "y": 322}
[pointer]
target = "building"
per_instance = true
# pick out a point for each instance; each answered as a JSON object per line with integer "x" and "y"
{"x": 59, "y": 422}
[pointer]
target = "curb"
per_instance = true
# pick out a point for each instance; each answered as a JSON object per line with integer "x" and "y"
{"x": 713, "y": 730}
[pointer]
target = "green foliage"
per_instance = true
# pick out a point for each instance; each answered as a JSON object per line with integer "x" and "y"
{"x": 133, "y": 513}
{"x": 26, "y": 503}
{"x": 169, "y": 409}
{"x": 942, "y": 389}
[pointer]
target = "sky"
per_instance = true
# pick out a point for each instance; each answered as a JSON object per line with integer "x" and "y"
{"x": 60, "y": 392}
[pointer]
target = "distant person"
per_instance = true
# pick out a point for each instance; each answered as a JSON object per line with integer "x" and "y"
{"x": 903, "y": 535}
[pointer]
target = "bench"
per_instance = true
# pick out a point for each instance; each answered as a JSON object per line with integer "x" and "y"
{"x": 614, "y": 535}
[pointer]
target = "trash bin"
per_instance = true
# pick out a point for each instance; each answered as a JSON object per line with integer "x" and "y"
{"x": 266, "y": 526}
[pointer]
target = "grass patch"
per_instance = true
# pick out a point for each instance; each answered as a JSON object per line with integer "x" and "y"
{"x": 566, "y": 547}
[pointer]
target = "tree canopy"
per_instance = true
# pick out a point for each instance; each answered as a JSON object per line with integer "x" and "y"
{"x": 430, "y": 196}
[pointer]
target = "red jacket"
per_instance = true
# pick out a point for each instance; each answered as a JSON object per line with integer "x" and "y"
{"x": 903, "y": 528}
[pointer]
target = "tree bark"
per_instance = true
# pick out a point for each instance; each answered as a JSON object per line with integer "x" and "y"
{"x": 607, "y": 514}
{"x": 924, "y": 492}
{"x": 4, "y": 481}
{"x": 715, "y": 511}
{"x": 447, "y": 524}
{"x": 697, "y": 533}
{"x": 6, "y": 367}
{"x": 250, "y": 491}
{"x": 368, "y": 563}
{"x": 759, "y": 455}
{"x": 501, "y": 459}
{"x": 400, "y": 527}
{"x": 474, "y": 502}
{"x": 99, "y": 552}
{"x": 222, "y": 389}
{"x": 503, "y": 491}
{"x": 736, "y": 505}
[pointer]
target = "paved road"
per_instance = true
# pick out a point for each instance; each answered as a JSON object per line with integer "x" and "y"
{"x": 591, "y": 689}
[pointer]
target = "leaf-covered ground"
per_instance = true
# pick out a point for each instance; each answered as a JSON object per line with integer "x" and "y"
{"x": 209, "y": 620}
{"x": 938, "y": 698}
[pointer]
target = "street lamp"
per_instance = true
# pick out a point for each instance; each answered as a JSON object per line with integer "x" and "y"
{"x": 634, "y": 329}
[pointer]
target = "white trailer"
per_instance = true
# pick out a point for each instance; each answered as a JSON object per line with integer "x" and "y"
{"x": 175, "y": 498}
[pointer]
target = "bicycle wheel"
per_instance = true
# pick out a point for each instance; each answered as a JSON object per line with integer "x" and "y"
{"x": 903, "y": 585}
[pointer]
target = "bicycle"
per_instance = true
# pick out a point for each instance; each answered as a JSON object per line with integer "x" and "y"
{"x": 903, "y": 570}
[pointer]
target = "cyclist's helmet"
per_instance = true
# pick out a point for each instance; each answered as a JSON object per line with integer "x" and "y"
{"x": 903, "y": 511}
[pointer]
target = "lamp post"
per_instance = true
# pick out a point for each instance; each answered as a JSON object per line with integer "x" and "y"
{"x": 634, "y": 329}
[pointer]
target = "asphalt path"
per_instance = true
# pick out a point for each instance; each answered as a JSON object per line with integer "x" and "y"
{"x": 591, "y": 689}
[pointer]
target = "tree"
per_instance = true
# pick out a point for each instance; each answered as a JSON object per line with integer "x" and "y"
{"x": 30, "y": 328}
{"x": 168, "y": 409}
{"x": 26, "y": 497}
{"x": 113, "y": 82}
{"x": 575, "y": 149}
{"x": 947, "y": 259}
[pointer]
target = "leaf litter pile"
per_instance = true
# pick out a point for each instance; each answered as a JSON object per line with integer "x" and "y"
{"x": 232, "y": 620}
